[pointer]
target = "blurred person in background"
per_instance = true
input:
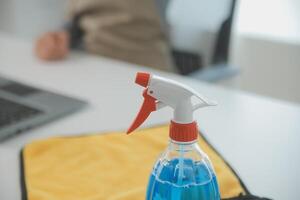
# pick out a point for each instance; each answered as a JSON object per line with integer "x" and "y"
{"x": 128, "y": 30}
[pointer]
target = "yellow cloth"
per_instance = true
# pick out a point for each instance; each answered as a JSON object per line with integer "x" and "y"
{"x": 112, "y": 166}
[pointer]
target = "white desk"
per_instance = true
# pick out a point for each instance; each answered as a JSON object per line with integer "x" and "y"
{"x": 259, "y": 136}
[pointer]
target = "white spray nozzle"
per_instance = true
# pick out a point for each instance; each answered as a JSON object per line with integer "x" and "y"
{"x": 161, "y": 92}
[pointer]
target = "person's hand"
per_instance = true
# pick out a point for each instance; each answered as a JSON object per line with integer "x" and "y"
{"x": 53, "y": 45}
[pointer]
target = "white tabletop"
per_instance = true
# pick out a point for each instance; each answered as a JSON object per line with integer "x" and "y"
{"x": 258, "y": 136}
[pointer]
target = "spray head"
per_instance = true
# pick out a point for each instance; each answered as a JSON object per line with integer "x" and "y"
{"x": 160, "y": 92}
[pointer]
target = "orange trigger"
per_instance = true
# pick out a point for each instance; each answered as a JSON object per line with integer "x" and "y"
{"x": 148, "y": 106}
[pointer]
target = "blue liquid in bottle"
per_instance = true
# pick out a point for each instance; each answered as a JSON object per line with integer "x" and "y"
{"x": 197, "y": 181}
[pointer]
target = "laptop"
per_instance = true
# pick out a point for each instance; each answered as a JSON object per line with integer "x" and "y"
{"x": 23, "y": 107}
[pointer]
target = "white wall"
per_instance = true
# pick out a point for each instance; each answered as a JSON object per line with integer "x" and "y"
{"x": 266, "y": 48}
{"x": 6, "y": 15}
{"x": 31, "y": 17}
{"x": 268, "y": 68}
{"x": 277, "y": 20}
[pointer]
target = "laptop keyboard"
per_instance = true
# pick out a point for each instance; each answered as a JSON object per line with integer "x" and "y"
{"x": 19, "y": 89}
{"x": 12, "y": 112}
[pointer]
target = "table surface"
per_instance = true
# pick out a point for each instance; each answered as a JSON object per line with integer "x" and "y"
{"x": 258, "y": 136}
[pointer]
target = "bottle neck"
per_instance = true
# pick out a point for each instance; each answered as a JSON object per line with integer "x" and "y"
{"x": 183, "y": 146}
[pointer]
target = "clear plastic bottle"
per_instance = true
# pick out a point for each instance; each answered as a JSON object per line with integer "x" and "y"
{"x": 183, "y": 172}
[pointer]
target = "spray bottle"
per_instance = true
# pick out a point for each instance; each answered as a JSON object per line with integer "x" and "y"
{"x": 183, "y": 171}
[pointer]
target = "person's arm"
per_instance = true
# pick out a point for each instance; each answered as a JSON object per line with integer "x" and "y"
{"x": 56, "y": 45}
